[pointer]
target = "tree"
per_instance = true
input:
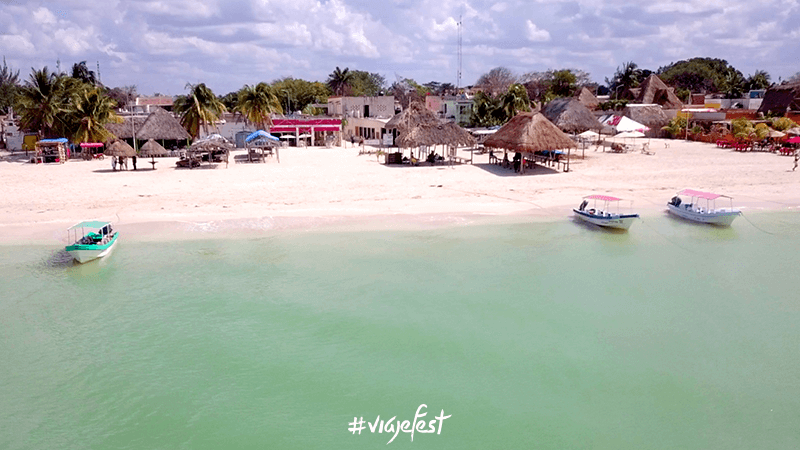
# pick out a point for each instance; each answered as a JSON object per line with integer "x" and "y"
{"x": 257, "y": 103}
{"x": 699, "y": 75}
{"x": 516, "y": 99}
{"x": 732, "y": 83}
{"x": 91, "y": 110}
{"x": 122, "y": 95}
{"x": 497, "y": 81}
{"x": 758, "y": 80}
{"x": 82, "y": 72}
{"x": 339, "y": 81}
{"x": 366, "y": 84}
{"x": 295, "y": 94}
{"x": 198, "y": 108}
{"x": 9, "y": 87}
{"x": 39, "y": 102}
{"x": 626, "y": 77}
{"x": 407, "y": 91}
{"x": 563, "y": 83}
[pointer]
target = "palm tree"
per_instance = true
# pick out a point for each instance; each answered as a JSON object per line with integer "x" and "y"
{"x": 516, "y": 99}
{"x": 758, "y": 80}
{"x": 92, "y": 109}
{"x": 9, "y": 86}
{"x": 339, "y": 80}
{"x": 256, "y": 103}
{"x": 39, "y": 102}
{"x": 198, "y": 108}
{"x": 81, "y": 72}
{"x": 627, "y": 77}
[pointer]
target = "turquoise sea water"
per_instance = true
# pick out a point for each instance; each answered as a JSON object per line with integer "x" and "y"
{"x": 542, "y": 335}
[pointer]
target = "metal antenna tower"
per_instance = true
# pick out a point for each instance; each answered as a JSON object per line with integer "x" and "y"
{"x": 458, "y": 77}
{"x": 98, "y": 73}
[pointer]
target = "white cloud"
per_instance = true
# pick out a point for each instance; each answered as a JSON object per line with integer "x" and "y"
{"x": 536, "y": 34}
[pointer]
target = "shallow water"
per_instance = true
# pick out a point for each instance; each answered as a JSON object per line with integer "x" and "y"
{"x": 545, "y": 335}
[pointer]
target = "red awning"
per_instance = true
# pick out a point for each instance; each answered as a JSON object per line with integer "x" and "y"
{"x": 91, "y": 144}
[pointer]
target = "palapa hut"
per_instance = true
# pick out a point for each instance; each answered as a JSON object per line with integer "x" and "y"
{"x": 418, "y": 126}
{"x": 212, "y": 148}
{"x": 259, "y": 144}
{"x": 534, "y": 136}
{"x": 152, "y": 149}
{"x": 121, "y": 150}
{"x": 588, "y": 99}
{"x": 654, "y": 91}
{"x": 652, "y": 116}
{"x": 571, "y": 116}
{"x": 159, "y": 125}
{"x": 781, "y": 99}
{"x": 162, "y": 126}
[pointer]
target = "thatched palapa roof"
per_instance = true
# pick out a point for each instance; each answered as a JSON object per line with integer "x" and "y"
{"x": 529, "y": 132}
{"x": 570, "y": 115}
{"x": 588, "y": 99}
{"x": 652, "y": 116}
{"x": 654, "y": 91}
{"x": 120, "y": 149}
{"x": 210, "y": 143}
{"x": 438, "y": 134}
{"x": 152, "y": 148}
{"x": 124, "y": 130}
{"x": 416, "y": 114}
{"x": 162, "y": 125}
{"x": 781, "y": 98}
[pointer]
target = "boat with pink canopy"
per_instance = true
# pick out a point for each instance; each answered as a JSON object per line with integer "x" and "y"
{"x": 604, "y": 216}
{"x": 699, "y": 206}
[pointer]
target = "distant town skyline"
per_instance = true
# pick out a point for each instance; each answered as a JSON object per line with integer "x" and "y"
{"x": 160, "y": 46}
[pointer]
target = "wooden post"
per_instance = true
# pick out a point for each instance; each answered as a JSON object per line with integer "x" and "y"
{"x": 569, "y": 152}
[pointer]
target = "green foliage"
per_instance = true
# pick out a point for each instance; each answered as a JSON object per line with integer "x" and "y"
{"x": 626, "y": 77}
{"x": 702, "y": 75}
{"x": 9, "y": 87}
{"x": 742, "y": 128}
{"x": 296, "y": 94}
{"x": 783, "y": 123}
{"x": 761, "y": 130}
{"x": 563, "y": 83}
{"x": 122, "y": 95}
{"x": 490, "y": 111}
{"x": 758, "y": 80}
{"x": 676, "y": 127}
{"x": 339, "y": 81}
{"x": 91, "y": 110}
{"x": 199, "y": 108}
{"x": 367, "y": 84}
{"x": 612, "y": 105}
{"x": 81, "y": 72}
{"x": 230, "y": 100}
{"x": 62, "y": 106}
{"x": 256, "y": 103}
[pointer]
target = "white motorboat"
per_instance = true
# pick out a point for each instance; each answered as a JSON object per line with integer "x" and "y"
{"x": 92, "y": 240}
{"x": 701, "y": 207}
{"x": 603, "y": 216}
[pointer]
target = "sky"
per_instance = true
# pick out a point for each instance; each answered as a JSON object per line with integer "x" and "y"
{"x": 160, "y": 46}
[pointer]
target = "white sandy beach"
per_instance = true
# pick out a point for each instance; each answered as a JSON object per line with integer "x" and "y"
{"x": 313, "y": 187}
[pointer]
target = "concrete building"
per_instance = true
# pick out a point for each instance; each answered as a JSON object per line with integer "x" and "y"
{"x": 363, "y": 117}
{"x": 456, "y": 109}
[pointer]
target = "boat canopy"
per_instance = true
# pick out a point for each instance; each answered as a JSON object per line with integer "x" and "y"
{"x": 54, "y": 141}
{"x": 91, "y": 144}
{"x": 701, "y": 194}
{"x": 90, "y": 224}
{"x": 604, "y": 198}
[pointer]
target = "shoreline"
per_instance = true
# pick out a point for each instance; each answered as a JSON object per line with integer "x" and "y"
{"x": 339, "y": 190}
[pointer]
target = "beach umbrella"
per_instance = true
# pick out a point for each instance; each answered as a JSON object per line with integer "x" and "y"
{"x": 793, "y": 131}
{"x": 794, "y": 140}
{"x": 152, "y": 149}
{"x": 530, "y": 132}
{"x": 120, "y": 149}
{"x": 630, "y": 134}
{"x": 776, "y": 134}
{"x": 260, "y": 134}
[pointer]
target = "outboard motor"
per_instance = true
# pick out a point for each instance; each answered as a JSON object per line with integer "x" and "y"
{"x": 676, "y": 201}
{"x": 583, "y": 205}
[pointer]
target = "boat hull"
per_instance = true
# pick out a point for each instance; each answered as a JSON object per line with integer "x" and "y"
{"x": 616, "y": 221}
{"x": 85, "y": 253}
{"x": 720, "y": 217}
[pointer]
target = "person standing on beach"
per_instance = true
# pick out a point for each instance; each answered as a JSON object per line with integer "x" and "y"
{"x": 114, "y": 163}
{"x": 796, "y": 157}
{"x": 133, "y": 159}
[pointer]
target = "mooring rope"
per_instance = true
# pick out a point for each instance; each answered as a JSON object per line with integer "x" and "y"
{"x": 756, "y": 226}
{"x": 668, "y": 239}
